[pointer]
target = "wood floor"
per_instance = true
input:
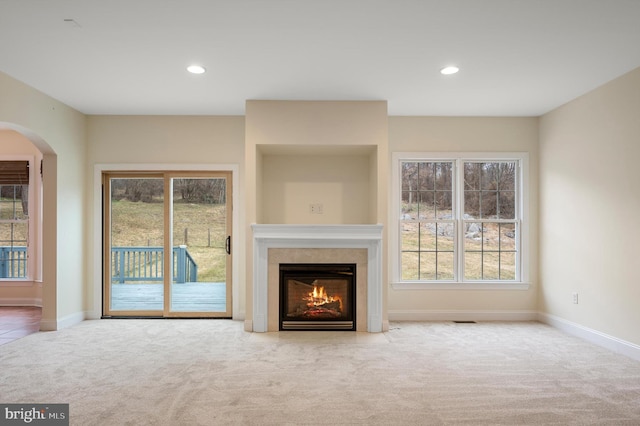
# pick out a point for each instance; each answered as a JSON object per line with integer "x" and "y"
{"x": 186, "y": 297}
{"x": 18, "y": 321}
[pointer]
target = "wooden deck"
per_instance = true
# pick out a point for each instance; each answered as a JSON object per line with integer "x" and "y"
{"x": 186, "y": 297}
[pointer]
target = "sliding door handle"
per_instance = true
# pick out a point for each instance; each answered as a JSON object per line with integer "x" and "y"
{"x": 227, "y": 245}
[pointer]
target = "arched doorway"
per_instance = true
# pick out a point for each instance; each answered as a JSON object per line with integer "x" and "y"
{"x": 38, "y": 286}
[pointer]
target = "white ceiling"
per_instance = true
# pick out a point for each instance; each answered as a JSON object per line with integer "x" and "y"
{"x": 517, "y": 57}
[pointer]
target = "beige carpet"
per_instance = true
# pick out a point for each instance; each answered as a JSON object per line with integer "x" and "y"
{"x": 211, "y": 372}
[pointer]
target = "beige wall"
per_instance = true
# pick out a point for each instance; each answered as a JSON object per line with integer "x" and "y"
{"x": 292, "y": 183}
{"x": 450, "y": 134}
{"x": 165, "y": 139}
{"x": 59, "y": 134}
{"x": 162, "y": 140}
{"x": 589, "y": 207}
{"x": 14, "y": 143}
{"x": 314, "y": 133}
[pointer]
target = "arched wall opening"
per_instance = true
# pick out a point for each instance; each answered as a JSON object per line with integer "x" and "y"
{"x": 42, "y": 288}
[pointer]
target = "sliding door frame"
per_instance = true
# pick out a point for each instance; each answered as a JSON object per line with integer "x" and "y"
{"x": 168, "y": 178}
{"x": 168, "y": 267}
{"x": 106, "y": 240}
{"x": 97, "y": 247}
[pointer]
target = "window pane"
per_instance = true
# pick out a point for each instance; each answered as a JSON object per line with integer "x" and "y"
{"x": 445, "y": 236}
{"x": 426, "y": 207}
{"x": 507, "y": 266}
{"x": 489, "y": 176}
{"x": 491, "y": 236}
{"x": 409, "y": 266}
{"x": 490, "y": 251}
{"x": 473, "y": 236}
{"x": 409, "y": 232}
{"x": 491, "y": 266}
{"x": 14, "y": 202}
{"x": 409, "y": 205}
{"x": 473, "y": 266}
{"x": 472, "y": 176}
{"x": 507, "y": 205}
{"x": 488, "y": 204}
{"x": 13, "y": 249}
{"x": 444, "y": 176}
{"x": 428, "y": 237}
{"x": 409, "y": 176}
{"x": 443, "y": 204}
{"x": 426, "y": 176}
{"x": 14, "y": 234}
{"x": 427, "y": 266}
{"x": 507, "y": 180}
{"x": 445, "y": 266}
{"x": 471, "y": 204}
{"x": 507, "y": 236}
{"x": 473, "y": 231}
{"x": 489, "y": 190}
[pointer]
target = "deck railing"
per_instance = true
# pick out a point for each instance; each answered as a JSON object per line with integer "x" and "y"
{"x": 135, "y": 264}
{"x": 128, "y": 264}
{"x": 13, "y": 262}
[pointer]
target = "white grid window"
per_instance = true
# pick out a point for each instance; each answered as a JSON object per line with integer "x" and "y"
{"x": 14, "y": 219}
{"x": 460, "y": 218}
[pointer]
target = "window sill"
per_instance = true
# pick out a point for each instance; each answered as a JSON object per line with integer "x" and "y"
{"x": 16, "y": 283}
{"x": 405, "y": 285}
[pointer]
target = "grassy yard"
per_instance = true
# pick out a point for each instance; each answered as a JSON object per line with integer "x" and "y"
{"x": 427, "y": 251}
{"x": 201, "y": 227}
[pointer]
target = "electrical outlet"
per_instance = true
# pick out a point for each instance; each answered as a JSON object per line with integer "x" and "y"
{"x": 575, "y": 298}
{"x": 316, "y": 208}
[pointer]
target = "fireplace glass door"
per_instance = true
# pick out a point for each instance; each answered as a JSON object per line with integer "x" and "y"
{"x": 317, "y": 296}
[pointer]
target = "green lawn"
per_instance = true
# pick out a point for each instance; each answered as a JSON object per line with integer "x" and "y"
{"x": 428, "y": 255}
{"x": 201, "y": 227}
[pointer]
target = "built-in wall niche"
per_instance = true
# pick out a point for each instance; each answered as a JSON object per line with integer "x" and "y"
{"x": 302, "y": 184}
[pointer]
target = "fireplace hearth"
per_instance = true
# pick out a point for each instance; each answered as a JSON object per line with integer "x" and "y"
{"x": 317, "y": 296}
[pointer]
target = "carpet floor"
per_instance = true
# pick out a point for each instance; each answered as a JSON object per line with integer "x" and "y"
{"x": 212, "y": 372}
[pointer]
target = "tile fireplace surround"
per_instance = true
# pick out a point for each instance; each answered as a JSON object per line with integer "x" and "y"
{"x": 360, "y": 244}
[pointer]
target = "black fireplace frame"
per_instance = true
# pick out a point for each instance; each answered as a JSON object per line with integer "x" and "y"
{"x": 302, "y": 271}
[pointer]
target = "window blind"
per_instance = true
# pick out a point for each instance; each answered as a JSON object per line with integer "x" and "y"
{"x": 14, "y": 172}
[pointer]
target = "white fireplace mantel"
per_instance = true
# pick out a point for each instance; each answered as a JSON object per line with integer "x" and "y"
{"x": 266, "y": 236}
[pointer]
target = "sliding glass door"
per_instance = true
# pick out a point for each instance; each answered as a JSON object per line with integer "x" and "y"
{"x": 201, "y": 244}
{"x": 167, "y": 244}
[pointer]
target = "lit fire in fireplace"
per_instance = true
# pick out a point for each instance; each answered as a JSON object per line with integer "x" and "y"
{"x": 318, "y": 297}
{"x": 319, "y": 304}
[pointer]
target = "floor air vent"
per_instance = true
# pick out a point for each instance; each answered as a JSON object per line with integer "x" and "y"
{"x": 465, "y": 322}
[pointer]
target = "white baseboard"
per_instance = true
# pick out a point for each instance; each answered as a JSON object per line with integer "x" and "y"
{"x": 65, "y": 322}
{"x": 452, "y": 315}
{"x": 596, "y": 337}
{"x": 21, "y": 301}
{"x": 92, "y": 315}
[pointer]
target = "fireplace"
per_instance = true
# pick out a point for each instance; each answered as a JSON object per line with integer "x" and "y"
{"x": 317, "y": 296}
{"x": 275, "y": 244}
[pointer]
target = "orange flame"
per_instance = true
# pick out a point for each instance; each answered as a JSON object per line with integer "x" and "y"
{"x": 319, "y": 297}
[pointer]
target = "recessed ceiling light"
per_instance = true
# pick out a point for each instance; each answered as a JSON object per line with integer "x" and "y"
{"x": 196, "y": 69}
{"x": 449, "y": 70}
